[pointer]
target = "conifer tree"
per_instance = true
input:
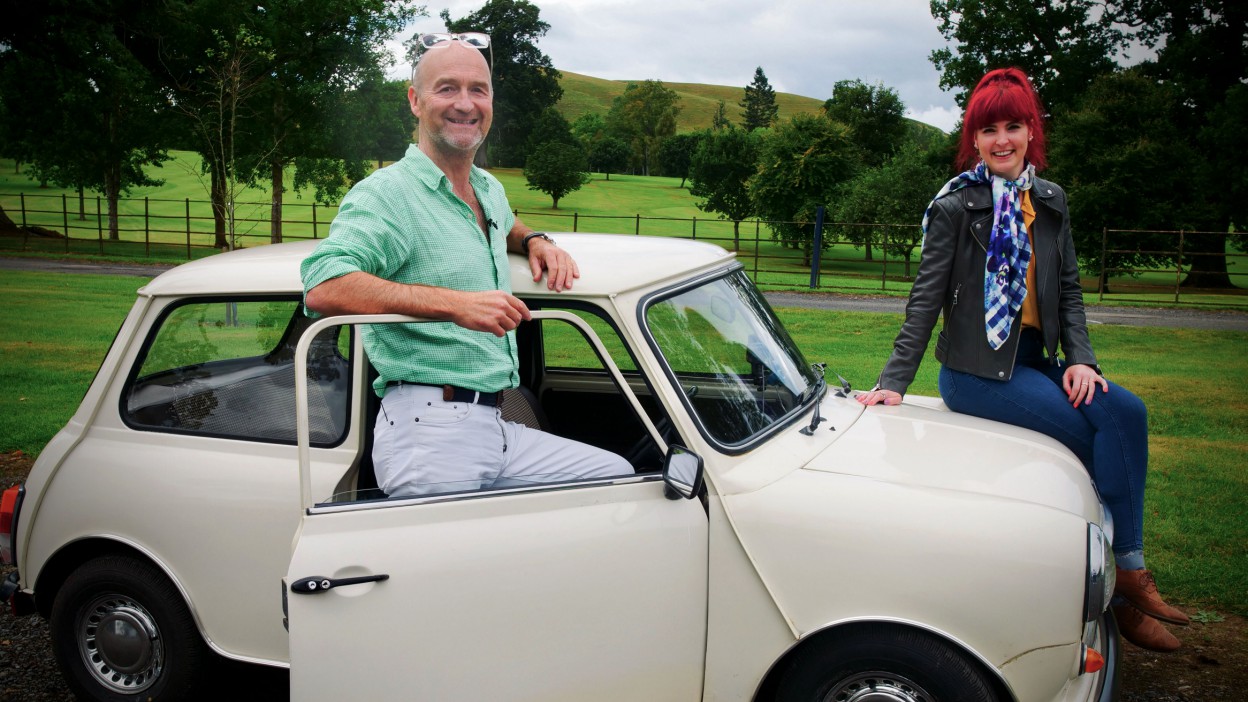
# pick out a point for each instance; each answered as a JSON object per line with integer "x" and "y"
{"x": 758, "y": 108}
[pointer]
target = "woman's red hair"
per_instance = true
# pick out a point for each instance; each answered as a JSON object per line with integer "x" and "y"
{"x": 1003, "y": 95}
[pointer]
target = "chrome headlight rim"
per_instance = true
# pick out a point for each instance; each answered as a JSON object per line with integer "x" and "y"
{"x": 1101, "y": 574}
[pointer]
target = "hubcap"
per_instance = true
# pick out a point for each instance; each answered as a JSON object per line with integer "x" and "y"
{"x": 876, "y": 686}
{"x": 120, "y": 644}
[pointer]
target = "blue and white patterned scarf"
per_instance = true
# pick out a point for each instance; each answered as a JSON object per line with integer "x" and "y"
{"x": 1009, "y": 250}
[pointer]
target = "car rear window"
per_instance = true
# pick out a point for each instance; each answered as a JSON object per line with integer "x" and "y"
{"x": 226, "y": 368}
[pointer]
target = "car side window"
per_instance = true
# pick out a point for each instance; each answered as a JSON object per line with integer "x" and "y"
{"x": 225, "y": 368}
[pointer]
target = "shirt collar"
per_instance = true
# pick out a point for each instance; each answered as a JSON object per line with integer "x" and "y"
{"x": 427, "y": 172}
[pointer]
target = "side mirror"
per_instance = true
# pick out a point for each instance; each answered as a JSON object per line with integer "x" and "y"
{"x": 682, "y": 473}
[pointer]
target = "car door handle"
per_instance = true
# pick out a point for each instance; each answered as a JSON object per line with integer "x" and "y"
{"x": 320, "y": 583}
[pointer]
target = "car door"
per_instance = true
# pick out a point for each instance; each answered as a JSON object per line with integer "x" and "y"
{"x": 591, "y": 590}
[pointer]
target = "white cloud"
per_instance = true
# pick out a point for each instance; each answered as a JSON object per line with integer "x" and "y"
{"x": 804, "y": 46}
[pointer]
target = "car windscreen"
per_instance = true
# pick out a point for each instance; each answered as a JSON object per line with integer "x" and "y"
{"x": 739, "y": 370}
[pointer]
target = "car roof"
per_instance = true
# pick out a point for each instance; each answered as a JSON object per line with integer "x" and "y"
{"x": 609, "y": 264}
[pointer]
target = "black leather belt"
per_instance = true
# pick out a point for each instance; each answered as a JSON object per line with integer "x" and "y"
{"x": 451, "y": 393}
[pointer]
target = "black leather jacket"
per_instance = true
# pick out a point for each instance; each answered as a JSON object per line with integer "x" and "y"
{"x": 951, "y": 280}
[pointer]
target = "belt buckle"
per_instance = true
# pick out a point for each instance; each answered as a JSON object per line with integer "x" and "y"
{"x": 448, "y": 393}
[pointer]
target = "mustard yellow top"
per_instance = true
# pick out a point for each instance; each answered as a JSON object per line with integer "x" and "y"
{"x": 1030, "y": 311}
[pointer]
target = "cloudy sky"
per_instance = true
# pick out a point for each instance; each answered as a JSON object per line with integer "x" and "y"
{"x": 804, "y": 46}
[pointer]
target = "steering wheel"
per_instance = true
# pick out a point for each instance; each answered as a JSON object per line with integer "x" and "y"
{"x": 641, "y": 451}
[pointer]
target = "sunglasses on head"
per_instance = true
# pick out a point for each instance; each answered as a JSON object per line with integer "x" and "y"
{"x": 434, "y": 40}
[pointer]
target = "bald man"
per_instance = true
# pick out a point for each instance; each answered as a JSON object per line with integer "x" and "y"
{"x": 428, "y": 237}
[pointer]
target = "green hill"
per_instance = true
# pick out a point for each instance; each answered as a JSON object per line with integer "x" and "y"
{"x": 585, "y": 94}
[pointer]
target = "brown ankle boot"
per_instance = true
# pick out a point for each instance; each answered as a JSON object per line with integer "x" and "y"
{"x": 1144, "y": 631}
{"x": 1140, "y": 589}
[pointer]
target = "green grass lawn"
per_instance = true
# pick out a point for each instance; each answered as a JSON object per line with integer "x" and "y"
{"x": 60, "y": 326}
{"x": 160, "y": 229}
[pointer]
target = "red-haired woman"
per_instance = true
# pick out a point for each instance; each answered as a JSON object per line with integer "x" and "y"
{"x": 999, "y": 261}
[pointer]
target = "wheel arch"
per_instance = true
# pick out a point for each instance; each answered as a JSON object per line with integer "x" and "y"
{"x": 831, "y": 635}
{"x": 57, "y": 569}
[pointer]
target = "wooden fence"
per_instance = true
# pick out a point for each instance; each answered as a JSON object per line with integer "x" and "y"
{"x": 865, "y": 258}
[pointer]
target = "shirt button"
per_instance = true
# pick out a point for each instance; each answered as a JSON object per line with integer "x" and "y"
{"x": 1000, "y": 374}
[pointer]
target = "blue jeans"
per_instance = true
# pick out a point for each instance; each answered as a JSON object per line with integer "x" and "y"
{"x": 1110, "y": 435}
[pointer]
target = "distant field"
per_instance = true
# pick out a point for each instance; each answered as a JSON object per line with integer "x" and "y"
{"x": 586, "y": 94}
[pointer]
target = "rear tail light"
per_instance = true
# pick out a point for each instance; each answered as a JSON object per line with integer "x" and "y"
{"x": 10, "y": 503}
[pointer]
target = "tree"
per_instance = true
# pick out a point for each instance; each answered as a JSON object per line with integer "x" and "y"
{"x": 720, "y": 171}
{"x": 609, "y": 154}
{"x": 79, "y": 106}
{"x": 874, "y": 114}
{"x": 1202, "y": 52}
{"x": 321, "y": 50}
{"x": 1117, "y": 155}
{"x": 676, "y": 154}
{"x": 525, "y": 81}
{"x": 896, "y": 193}
{"x": 644, "y": 114}
{"x": 552, "y": 128}
{"x": 589, "y": 128}
{"x": 720, "y": 119}
{"x": 758, "y": 108}
{"x": 803, "y": 163}
{"x": 556, "y": 168}
{"x": 1062, "y": 45}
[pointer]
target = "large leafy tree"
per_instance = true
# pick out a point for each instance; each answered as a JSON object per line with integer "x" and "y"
{"x": 525, "y": 80}
{"x": 1062, "y": 44}
{"x": 556, "y": 168}
{"x": 803, "y": 164}
{"x": 720, "y": 172}
{"x": 321, "y": 51}
{"x": 1202, "y": 53}
{"x": 893, "y": 196}
{"x": 758, "y": 108}
{"x": 609, "y": 155}
{"x": 874, "y": 114}
{"x": 644, "y": 114}
{"x": 78, "y": 105}
{"x": 676, "y": 155}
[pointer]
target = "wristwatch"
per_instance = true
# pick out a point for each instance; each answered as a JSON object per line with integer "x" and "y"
{"x": 540, "y": 235}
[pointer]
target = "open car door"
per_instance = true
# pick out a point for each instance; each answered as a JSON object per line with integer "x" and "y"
{"x": 587, "y": 590}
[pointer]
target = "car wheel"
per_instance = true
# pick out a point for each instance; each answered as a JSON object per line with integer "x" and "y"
{"x": 884, "y": 664}
{"x": 120, "y": 631}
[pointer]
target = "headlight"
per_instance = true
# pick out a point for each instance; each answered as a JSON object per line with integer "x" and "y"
{"x": 1099, "y": 587}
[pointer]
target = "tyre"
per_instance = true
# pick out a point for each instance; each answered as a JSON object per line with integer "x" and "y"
{"x": 884, "y": 664}
{"x": 121, "y": 632}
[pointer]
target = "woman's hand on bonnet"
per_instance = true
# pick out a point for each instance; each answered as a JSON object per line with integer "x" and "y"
{"x": 1080, "y": 381}
{"x": 877, "y": 396}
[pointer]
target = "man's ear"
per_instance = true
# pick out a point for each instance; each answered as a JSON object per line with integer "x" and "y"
{"x": 412, "y": 99}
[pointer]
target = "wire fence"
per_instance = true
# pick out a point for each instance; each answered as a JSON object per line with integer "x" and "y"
{"x": 855, "y": 258}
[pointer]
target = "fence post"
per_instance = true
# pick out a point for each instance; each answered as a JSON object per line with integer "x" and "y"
{"x": 817, "y": 253}
{"x": 188, "y": 228}
{"x": 757, "y": 252}
{"x": 99, "y": 224}
{"x": 1178, "y": 268}
{"x": 65, "y": 220}
{"x": 314, "y": 219}
{"x": 637, "y": 228}
{"x": 884, "y": 255}
{"x": 1104, "y": 281}
{"x": 695, "y": 226}
{"x": 147, "y": 228}
{"x": 25, "y": 231}
{"x": 575, "y": 219}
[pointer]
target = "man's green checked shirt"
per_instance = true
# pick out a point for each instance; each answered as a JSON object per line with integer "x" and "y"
{"x": 405, "y": 224}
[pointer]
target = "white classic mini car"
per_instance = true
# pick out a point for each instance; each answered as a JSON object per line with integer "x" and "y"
{"x": 214, "y": 497}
